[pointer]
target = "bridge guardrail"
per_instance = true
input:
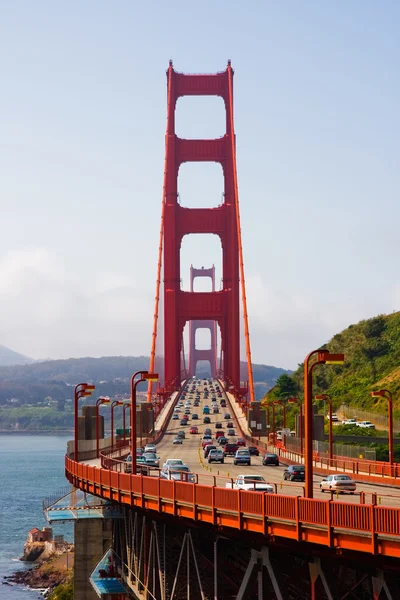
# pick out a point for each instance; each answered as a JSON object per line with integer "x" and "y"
{"x": 338, "y": 524}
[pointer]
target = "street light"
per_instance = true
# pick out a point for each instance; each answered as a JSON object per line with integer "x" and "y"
{"x": 101, "y": 400}
{"x": 388, "y": 395}
{"x": 81, "y": 390}
{"x": 329, "y": 398}
{"x": 126, "y": 405}
{"x": 272, "y": 403}
{"x": 280, "y": 403}
{"x": 294, "y": 400}
{"x": 143, "y": 376}
{"x": 324, "y": 357}
{"x": 113, "y": 405}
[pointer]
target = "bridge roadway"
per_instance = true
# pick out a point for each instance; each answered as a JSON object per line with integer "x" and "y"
{"x": 191, "y": 453}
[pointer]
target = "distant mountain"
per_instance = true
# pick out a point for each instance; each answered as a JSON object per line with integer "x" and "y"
{"x": 9, "y": 358}
{"x": 111, "y": 374}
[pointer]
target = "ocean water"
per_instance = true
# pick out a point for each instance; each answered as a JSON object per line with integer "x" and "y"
{"x": 31, "y": 468}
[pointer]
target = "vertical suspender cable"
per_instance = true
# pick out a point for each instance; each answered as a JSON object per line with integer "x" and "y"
{"x": 241, "y": 264}
{"x": 160, "y": 245}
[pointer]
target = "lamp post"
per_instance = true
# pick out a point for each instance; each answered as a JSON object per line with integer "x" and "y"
{"x": 388, "y": 395}
{"x": 300, "y": 404}
{"x": 280, "y": 403}
{"x": 329, "y": 398}
{"x": 126, "y": 405}
{"x": 113, "y": 405}
{"x": 99, "y": 401}
{"x": 323, "y": 357}
{"x": 81, "y": 390}
{"x": 273, "y": 418}
{"x": 142, "y": 376}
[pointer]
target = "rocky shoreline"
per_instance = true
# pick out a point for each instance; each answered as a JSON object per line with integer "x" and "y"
{"x": 46, "y": 576}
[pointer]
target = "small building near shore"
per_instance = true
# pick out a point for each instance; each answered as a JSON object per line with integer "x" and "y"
{"x": 40, "y": 535}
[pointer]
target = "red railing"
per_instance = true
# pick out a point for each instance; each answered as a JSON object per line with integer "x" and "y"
{"x": 319, "y": 521}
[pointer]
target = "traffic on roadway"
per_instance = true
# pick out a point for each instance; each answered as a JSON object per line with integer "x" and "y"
{"x": 202, "y": 443}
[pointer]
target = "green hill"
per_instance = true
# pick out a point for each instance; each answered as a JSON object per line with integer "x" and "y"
{"x": 372, "y": 361}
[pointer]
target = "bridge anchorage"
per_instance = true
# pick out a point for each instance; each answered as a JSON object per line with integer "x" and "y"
{"x": 151, "y": 536}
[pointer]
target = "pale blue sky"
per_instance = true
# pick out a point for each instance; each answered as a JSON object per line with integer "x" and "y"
{"x": 82, "y": 121}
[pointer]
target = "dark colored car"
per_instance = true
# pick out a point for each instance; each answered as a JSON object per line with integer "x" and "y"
{"x": 218, "y": 425}
{"x": 230, "y": 449}
{"x": 271, "y": 459}
{"x": 231, "y": 432}
{"x": 227, "y": 416}
{"x": 230, "y": 424}
{"x": 222, "y": 441}
{"x": 206, "y": 420}
{"x": 194, "y": 416}
{"x": 254, "y": 451}
{"x": 294, "y": 473}
{"x": 184, "y": 422}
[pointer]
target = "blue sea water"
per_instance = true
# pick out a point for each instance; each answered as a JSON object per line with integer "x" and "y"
{"x": 31, "y": 468}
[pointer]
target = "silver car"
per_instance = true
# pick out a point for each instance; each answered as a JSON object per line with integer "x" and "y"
{"x": 338, "y": 483}
{"x": 178, "y": 473}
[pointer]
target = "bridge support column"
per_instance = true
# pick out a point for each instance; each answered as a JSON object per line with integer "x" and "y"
{"x": 261, "y": 559}
{"x": 315, "y": 573}
{"x": 379, "y": 583}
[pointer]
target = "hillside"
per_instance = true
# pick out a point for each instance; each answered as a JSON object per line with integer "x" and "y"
{"x": 9, "y": 357}
{"x": 372, "y": 361}
{"x": 34, "y": 382}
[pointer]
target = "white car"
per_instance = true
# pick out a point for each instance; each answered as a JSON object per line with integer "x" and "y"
{"x": 349, "y": 422}
{"x": 366, "y": 425}
{"x": 150, "y": 448}
{"x": 170, "y": 462}
{"x": 338, "y": 483}
{"x": 251, "y": 483}
{"x": 335, "y": 418}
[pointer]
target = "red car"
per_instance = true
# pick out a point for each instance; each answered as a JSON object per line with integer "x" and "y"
{"x": 219, "y": 434}
{"x": 240, "y": 442}
{"x": 193, "y": 430}
{"x": 230, "y": 424}
{"x": 185, "y": 418}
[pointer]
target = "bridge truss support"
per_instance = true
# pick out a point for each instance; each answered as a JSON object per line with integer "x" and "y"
{"x": 166, "y": 558}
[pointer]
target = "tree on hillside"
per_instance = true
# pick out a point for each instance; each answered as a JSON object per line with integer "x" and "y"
{"x": 285, "y": 387}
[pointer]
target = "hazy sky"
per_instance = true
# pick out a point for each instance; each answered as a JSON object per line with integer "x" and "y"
{"x": 82, "y": 122}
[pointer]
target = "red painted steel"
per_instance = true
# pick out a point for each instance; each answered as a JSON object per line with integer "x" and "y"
{"x": 357, "y": 527}
{"x": 179, "y": 306}
{"x": 195, "y": 354}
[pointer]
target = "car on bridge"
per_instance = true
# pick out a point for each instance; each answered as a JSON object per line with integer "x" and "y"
{"x": 150, "y": 448}
{"x": 271, "y": 459}
{"x": 195, "y": 417}
{"x": 181, "y": 434}
{"x": 254, "y": 451}
{"x": 206, "y": 420}
{"x": 183, "y": 422}
{"x": 338, "y": 483}
{"x": 219, "y": 434}
{"x": 175, "y": 417}
{"x": 230, "y": 425}
{"x": 242, "y": 457}
{"x": 208, "y": 448}
{"x": 294, "y": 473}
{"x": 251, "y": 483}
{"x": 205, "y": 441}
{"x": 151, "y": 459}
{"x": 227, "y": 416}
{"x": 207, "y": 431}
{"x": 177, "y": 440}
{"x": 172, "y": 461}
{"x": 240, "y": 442}
{"x": 178, "y": 473}
{"x": 216, "y": 455}
{"x": 194, "y": 430}
{"x": 230, "y": 449}
{"x": 218, "y": 425}
{"x": 231, "y": 432}
{"x": 222, "y": 440}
